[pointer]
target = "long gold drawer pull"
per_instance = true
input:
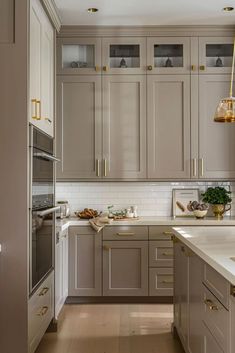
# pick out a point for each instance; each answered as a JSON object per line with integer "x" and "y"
{"x": 35, "y": 115}
{"x": 201, "y": 167}
{"x": 39, "y": 110}
{"x": 97, "y": 167}
{"x": 43, "y": 291}
{"x": 168, "y": 281}
{"x": 105, "y": 167}
{"x": 209, "y": 303}
{"x": 42, "y": 311}
{"x": 167, "y": 254}
{"x": 125, "y": 234}
{"x": 194, "y": 167}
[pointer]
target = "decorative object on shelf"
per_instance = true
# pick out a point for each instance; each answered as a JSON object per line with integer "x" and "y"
{"x": 181, "y": 198}
{"x": 219, "y": 62}
{"x": 199, "y": 209}
{"x": 218, "y": 197}
{"x": 123, "y": 63}
{"x": 168, "y": 62}
{"x": 74, "y": 64}
{"x": 225, "y": 111}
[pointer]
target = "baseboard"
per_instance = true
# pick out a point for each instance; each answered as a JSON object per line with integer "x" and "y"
{"x": 119, "y": 300}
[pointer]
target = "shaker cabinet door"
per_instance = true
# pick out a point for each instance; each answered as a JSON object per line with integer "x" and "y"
{"x": 125, "y": 268}
{"x": 124, "y": 126}
{"x": 78, "y": 127}
{"x": 216, "y": 141}
{"x": 168, "y": 133}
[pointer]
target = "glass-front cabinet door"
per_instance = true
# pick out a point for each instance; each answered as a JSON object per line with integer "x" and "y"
{"x": 124, "y": 55}
{"x": 215, "y": 55}
{"x": 79, "y": 56}
{"x": 167, "y": 55}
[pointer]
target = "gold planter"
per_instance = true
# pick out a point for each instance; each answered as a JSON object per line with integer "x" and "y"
{"x": 219, "y": 210}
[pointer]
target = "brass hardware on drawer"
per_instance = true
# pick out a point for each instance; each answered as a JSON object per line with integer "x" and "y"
{"x": 209, "y": 303}
{"x": 193, "y": 67}
{"x": 202, "y": 67}
{"x": 149, "y": 67}
{"x": 167, "y": 254}
{"x": 105, "y": 68}
{"x": 40, "y": 110}
{"x": 106, "y": 247}
{"x": 35, "y": 103}
{"x": 97, "y": 167}
{"x": 194, "y": 167}
{"x": 105, "y": 167}
{"x": 97, "y": 68}
{"x": 169, "y": 281}
{"x": 201, "y": 167}
{"x": 125, "y": 234}
{"x": 175, "y": 239}
{"x": 43, "y": 291}
{"x": 43, "y": 311}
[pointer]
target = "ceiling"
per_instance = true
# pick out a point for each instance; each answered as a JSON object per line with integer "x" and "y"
{"x": 145, "y": 12}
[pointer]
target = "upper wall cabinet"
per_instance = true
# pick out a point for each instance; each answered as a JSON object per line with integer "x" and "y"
{"x": 41, "y": 110}
{"x": 167, "y": 55}
{"x": 215, "y": 55}
{"x": 79, "y": 56}
{"x": 124, "y": 55}
{"x": 168, "y": 126}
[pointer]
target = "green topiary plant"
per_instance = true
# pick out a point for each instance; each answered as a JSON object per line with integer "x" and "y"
{"x": 217, "y": 196}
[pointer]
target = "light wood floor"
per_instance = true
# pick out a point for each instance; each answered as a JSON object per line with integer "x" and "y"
{"x": 113, "y": 329}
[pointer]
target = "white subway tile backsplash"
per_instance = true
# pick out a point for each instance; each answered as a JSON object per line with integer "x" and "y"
{"x": 151, "y": 198}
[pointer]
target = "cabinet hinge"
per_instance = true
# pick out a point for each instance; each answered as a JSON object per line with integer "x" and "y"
{"x": 232, "y": 290}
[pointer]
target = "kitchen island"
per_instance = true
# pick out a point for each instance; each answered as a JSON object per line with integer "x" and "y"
{"x": 204, "y": 288}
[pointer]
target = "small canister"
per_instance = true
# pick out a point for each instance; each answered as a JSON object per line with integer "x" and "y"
{"x": 64, "y": 211}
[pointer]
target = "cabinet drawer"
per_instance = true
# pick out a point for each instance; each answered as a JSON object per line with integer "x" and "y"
{"x": 74, "y": 230}
{"x": 161, "y": 253}
{"x": 210, "y": 345}
{"x": 160, "y": 233}
{"x": 125, "y": 233}
{"x": 161, "y": 282}
{"x": 217, "y": 284}
{"x": 40, "y": 312}
{"x": 216, "y": 318}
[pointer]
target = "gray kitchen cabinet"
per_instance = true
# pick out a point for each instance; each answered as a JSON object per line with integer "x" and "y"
{"x": 124, "y": 126}
{"x": 125, "y": 268}
{"x": 61, "y": 270}
{"x": 161, "y": 282}
{"x": 79, "y": 130}
{"x": 85, "y": 262}
{"x": 168, "y": 135}
{"x": 216, "y": 141}
{"x": 210, "y": 344}
{"x": 41, "y": 104}
{"x": 161, "y": 253}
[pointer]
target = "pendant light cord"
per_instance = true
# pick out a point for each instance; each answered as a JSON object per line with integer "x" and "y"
{"x": 232, "y": 73}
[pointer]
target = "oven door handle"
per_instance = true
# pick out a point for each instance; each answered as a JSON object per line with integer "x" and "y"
{"x": 46, "y": 156}
{"x": 49, "y": 210}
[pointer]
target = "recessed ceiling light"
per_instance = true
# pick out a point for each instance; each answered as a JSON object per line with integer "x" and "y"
{"x": 228, "y": 8}
{"x": 92, "y": 10}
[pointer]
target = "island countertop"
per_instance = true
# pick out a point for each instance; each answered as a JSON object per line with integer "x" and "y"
{"x": 215, "y": 245}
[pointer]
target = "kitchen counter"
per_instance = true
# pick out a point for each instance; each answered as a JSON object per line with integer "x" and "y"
{"x": 215, "y": 245}
{"x": 152, "y": 221}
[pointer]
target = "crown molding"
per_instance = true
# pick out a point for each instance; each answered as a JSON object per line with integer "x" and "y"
{"x": 52, "y": 12}
{"x": 148, "y": 31}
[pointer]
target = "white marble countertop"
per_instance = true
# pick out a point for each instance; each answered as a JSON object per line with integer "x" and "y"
{"x": 152, "y": 221}
{"x": 215, "y": 245}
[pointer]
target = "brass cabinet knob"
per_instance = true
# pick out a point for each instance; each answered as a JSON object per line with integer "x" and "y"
{"x": 202, "y": 67}
{"x": 105, "y": 68}
{"x": 149, "y": 67}
{"x": 193, "y": 67}
{"x": 97, "y": 68}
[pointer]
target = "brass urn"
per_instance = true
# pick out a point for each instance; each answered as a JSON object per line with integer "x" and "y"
{"x": 219, "y": 210}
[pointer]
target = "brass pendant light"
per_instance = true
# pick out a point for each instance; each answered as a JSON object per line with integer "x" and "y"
{"x": 225, "y": 111}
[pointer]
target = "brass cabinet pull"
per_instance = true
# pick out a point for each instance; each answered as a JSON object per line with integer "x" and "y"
{"x": 125, "y": 234}
{"x": 106, "y": 247}
{"x": 194, "y": 167}
{"x": 209, "y": 303}
{"x": 34, "y": 103}
{"x": 97, "y": 68}
{"x": 193, "y": 67}
{"x": 105, "y": 68}
{"x": 169, "y": 281}
{"x": 167, "y": 253}
{"x": 97, "y": 167}
{"x": 39, "y": 110}
{"x": 105, "y": 167}
{"x": 43, "y": 291}
{"x": 149, "y": 67}
{"x": 202, "y": 67}
{"x": 43, "y": 311}
{"x": 48, "y": 120}
{"x": 201, "y": 167}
